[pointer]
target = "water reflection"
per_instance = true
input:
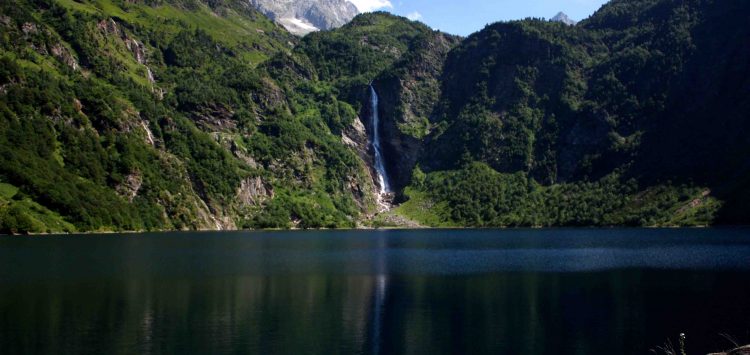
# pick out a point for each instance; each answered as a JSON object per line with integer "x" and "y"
{"x": 350, "y": 295}
{"x": 379, "y": 294}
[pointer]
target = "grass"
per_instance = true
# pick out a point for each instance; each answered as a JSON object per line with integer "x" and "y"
{"x": 48, "y": 221}
{"x": 422, "y": 209}
{"x": 36, "y": 217}
{"x": 230, "y": 28}
{"x": 7, "y": 191}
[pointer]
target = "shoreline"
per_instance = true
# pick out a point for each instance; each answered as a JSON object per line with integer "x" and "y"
{"x": 105, "y": 233}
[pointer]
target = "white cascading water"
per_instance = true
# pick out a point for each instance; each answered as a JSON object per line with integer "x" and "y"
{"x": 385, "y": 187}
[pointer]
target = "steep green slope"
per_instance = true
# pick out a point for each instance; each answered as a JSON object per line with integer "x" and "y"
{"x": 507, "y": 90}
{"x": 357, "y": 52}
{"x": 651, "y": 95}
{"x": 165, "y": 115}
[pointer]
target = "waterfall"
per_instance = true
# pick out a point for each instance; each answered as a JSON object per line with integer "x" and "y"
{"x": 385, "y": 187}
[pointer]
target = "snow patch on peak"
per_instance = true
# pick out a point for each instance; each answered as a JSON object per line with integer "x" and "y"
{"x": 297, "y": 26}
{"x": 304, "y": 16}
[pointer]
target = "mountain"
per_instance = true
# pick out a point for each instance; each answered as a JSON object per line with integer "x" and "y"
{"x": 192, "y": 114}
{"x": 403, "y": 60}
{"x": 168, "y": 115}
{"x": 631, "y": 117}
{"x": 304, "y": 16}
{"x": 562, "y": 17}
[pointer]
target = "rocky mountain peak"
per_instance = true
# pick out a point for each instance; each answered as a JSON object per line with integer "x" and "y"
{"x": 562, "y": 17}
{"x": 304, "y": 16}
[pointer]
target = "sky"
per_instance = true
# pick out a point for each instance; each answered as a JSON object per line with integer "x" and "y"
{"x": 463, "y": 17}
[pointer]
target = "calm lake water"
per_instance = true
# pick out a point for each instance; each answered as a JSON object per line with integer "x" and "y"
{"x": 567, "y": 291}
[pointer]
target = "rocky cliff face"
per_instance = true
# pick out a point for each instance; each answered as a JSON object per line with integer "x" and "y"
{"x": 409, "y": 93}
{"x": 304, "y": 16}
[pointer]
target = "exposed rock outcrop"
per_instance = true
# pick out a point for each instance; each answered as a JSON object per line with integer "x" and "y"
{"x": 29, "y": 28}
{"x": 110, "y": 27}
{"x": 63, "y": 54}
{"x": 137, "y": 48}
{"x": 130, "y": 187}
{"x": 355, "y": 136}
{"x": 253, "y": 191}
{"x": 304, "y": 16}
{"x": 215, "y": 119}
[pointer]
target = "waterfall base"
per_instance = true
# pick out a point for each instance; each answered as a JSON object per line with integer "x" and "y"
{"x": 385, "y": 201}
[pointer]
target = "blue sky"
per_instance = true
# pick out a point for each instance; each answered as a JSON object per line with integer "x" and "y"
{"x": 466, "y": 16}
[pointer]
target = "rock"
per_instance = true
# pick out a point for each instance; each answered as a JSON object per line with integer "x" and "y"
{"x": 215, "y": 118}
{"x": 137, "y": 48}
{"x": 109, "y": 27}
{"x": 130, "y": 187}
{"x": 5, "y": 20}
{"x": 253, "y": 191}
{"x": 270, "y": 96}
{"x": 78, "y": 105}
{"x": 301, "y": 17}
{"x": 29, "y": 28}
{"x": 563, "y": 18}
{"x": 355, "y": 136}
{"x": 63, "y": 54}
{"x": 224, "y": 223}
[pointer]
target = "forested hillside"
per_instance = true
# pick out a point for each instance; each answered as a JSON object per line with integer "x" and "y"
{"x": 166, "y": 115}
{"x": 189, "y": 114}
{"x": 637, "y": 115}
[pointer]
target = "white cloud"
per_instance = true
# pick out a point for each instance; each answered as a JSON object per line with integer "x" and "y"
{"x": 414, "y": 16}
{"x": 371, "y": 5}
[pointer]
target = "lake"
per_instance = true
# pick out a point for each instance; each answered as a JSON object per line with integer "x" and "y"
{"x": 555, "y": 291}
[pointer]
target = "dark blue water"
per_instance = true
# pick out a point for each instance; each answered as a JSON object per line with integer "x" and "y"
{"x": 569, "y": 291}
